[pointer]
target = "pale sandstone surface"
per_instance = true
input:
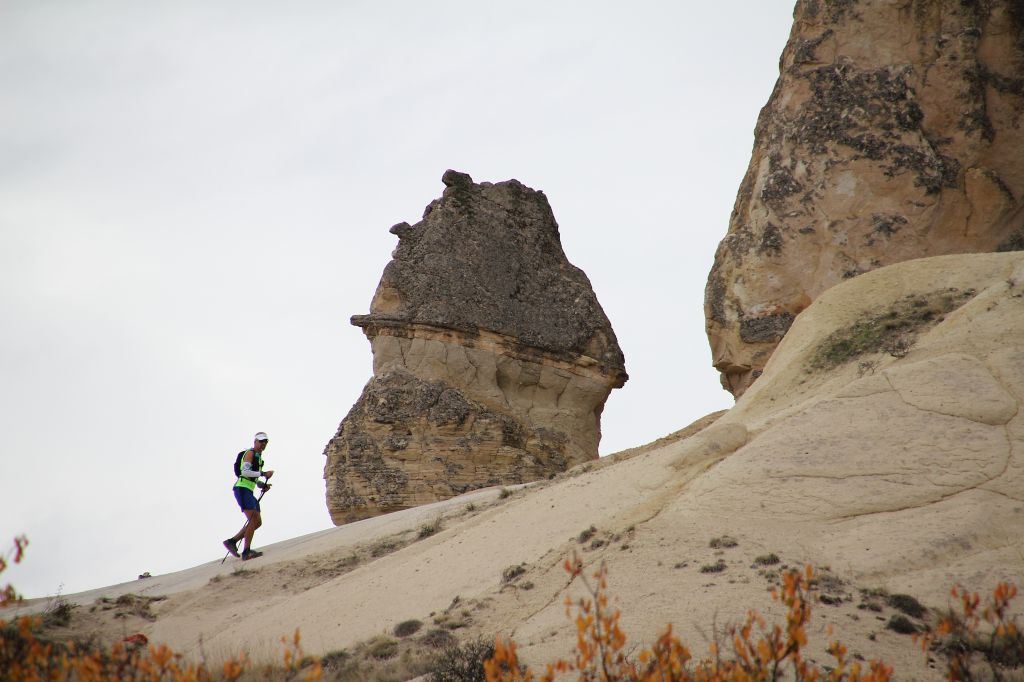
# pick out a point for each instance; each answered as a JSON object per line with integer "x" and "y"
{"x": 923, "y": 450}
{"x": 897, "y": 472}
{"x": 893, "y": 133}
{"x": 492, "y": 358}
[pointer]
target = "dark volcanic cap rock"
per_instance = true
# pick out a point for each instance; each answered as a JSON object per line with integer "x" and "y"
{"x": 487, "y": 257}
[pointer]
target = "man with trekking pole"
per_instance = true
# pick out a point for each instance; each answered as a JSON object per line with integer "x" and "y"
{"x": 249, "y": 470}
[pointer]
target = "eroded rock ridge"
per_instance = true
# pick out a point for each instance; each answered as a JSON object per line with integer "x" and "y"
{"x": 492, "y": 358}
{"x": 894, "y": 132}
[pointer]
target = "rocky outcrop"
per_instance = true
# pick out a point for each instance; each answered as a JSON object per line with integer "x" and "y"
{"x": 492, "y": 358}
{"x": 894, "y": 132}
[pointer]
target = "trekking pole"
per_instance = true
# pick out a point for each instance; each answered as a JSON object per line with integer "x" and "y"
{"x": 263, "y": 492}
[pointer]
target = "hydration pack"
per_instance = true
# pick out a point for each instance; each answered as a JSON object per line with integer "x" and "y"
{"x": 238, "y": 463}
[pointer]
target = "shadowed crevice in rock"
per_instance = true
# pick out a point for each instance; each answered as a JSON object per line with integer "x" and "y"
{"x": 492, "y": 357}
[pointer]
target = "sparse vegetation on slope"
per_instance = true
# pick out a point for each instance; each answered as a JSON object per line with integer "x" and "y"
{"x": 432, "y": 527}
{"x": 972, "y": 638}
{"x": 978, "y": 640}
{"x": 462, "y": 663}
{"x": 892, "y": 331}
{"x": 407, "y": 628}
{"x": 723, "y": 542}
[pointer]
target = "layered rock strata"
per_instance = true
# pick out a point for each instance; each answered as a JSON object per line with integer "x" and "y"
{"x": 492, "y": 358}
{"x": 894, "y": 132}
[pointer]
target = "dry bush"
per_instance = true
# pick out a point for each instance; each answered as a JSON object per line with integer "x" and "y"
{"x": 380, "y": 658}
{"x": 907, "y": 604}
{"x": 7, "y": 594}
{"x": 381, "y": 647}
{"x": 723, "y": 542}
{"x": 386, "y": 546}
{"x": 405, "y": 666}
{"x": 462, "y": 663}
{"x": 58, "y": 612}
{"x": 759, "y": 652}
{"x": 26, "y": 655}
{"x": 902, "y": 625}
{"x": 438, "y": 638}
{"x": 512, "y": 572}
{"x": 130, "y": 605}
{"x": 979, "y": 641}
{"x": 407, "y": 628}
{"x": 430, "y": 528}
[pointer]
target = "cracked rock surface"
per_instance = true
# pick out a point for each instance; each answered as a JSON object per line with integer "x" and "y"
{"x": 893, "y": 133}
{"x": 492, "y": 358}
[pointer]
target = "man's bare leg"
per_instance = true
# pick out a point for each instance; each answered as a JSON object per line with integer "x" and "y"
{"x": 252, "y": 523}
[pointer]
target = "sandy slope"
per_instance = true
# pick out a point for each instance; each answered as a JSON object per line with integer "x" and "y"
{"x": 904, "y": 473}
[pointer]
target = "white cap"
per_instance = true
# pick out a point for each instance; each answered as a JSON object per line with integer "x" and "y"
{"x": 261, "y": 436}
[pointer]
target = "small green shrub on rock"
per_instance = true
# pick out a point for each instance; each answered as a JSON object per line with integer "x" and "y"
{"x": 907, "y": 604}
{"x": 407, "y": 627}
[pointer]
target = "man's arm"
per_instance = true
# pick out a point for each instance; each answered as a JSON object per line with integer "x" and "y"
{"x": 247, "y": 470}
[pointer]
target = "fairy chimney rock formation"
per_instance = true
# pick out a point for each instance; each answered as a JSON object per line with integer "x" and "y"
{"x": 492, "y": 358}
{"x": 895, "y": 132}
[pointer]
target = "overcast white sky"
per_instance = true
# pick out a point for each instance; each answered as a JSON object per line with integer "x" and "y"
{"x": 195, "y": 197}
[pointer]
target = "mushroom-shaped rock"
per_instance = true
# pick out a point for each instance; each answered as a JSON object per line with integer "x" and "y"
{"x": 492, "y": 358}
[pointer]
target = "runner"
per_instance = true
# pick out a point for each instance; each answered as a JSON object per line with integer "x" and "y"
{"x": 250, "y": 471}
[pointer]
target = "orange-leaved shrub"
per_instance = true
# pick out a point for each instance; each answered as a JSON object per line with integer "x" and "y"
{"x": 24, "y": 655}
{"x": 759, "y": 652}
{"x": 15, "y": 554}
{"x": 977, "y": 638}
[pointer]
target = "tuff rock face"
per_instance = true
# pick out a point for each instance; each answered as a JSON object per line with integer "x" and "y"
{"x": 895, "y": 132}
{"x": 492, "y": 358}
